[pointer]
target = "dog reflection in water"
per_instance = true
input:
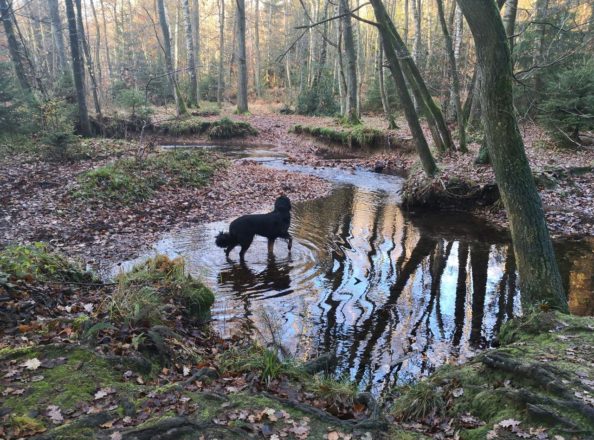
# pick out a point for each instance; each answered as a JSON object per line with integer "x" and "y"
{"x": 275, "y": 277}
{"x": 272, "y": 225}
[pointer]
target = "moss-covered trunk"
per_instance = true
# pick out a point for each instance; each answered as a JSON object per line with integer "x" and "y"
{"x": 539, "y": 275}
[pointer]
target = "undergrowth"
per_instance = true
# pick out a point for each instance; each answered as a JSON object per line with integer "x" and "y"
{"x": 37, "y": 262}
{"x": 224, "y": 128}
{"x": 145, "y": 296}
{"x": 355, "y": 136}
{"x": 134, "y": 180}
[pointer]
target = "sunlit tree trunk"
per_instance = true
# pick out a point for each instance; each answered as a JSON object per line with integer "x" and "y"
{"x": 509, "y": 21}
{"x": 196, "y": 14}
{"x": 257, "y": 49}
{"x": 6, "y": 14}
{"x": 107, "y": 53}
{"x": 78, "y": 72}
{"x": 387, "y": 31}
{"x": 180, "y": 107}
{"x": 242, "y": 77}
{"x": 351, "y": 63}
{"x": 221, "y": 76}
{"x": 190, "y": 54}
{"x": 88, "y": 58}
{"x": 538, "y": 58}
{"x": 57, "y": 34}
{"x": 539, "y": 275}
{"x": 97, "y": 46}
{"x": 453, "y": 74}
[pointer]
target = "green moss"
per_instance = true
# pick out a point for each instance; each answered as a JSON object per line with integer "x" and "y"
{"x": 184, "y": 126}
{"x": 65, "y": 385}
{"x": 227, "y": 129}
{"x": 357, "y": 136}
{"x": 38, "y": 262}
{"x": 557, "y": 344}
{"x": 224, "y": 128}
{"x": 130, "y": 181}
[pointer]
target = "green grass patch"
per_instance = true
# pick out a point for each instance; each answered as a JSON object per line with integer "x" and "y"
{"x": 358, "y": 136}
{"x": 224, "y": 128}
{"x": 145, "y": 294}
{"x": 37, "y": 262}
{"x": 132, "y": 180}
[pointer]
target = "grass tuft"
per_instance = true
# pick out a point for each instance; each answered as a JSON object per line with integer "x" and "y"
{"x": 357, "y": 136}
{"x": 145, "y": 295}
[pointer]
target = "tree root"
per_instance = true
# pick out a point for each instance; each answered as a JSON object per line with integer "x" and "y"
{"x": 370, "y": 424}
{"x": 543, "y": 376}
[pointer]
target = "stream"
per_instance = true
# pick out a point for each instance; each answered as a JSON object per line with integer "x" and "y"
{"x": 395, "y": 295}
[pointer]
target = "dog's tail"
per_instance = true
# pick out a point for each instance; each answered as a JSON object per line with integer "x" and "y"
{"x": 224, "y": 239}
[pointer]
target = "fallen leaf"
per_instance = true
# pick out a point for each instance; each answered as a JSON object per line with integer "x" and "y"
{"x": 55, "y": 414}
{"x": 31, "y": 364}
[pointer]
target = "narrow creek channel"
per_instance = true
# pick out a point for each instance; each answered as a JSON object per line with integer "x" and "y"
{"x": 393, "y": 295}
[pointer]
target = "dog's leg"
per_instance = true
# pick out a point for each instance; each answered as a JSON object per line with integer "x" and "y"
{"x": 245, "y": 245}
{"x": 290, "y": 242}
{"x": 228, "y": 250}
{"x": 271, "y": 245}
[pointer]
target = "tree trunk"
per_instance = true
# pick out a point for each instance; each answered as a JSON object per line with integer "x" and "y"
{"x": 190, "y": 54}
{"x": 89, "y": 59}
{"x": 350, "y": 112}
{"x": 107, "y": 54}
{"x": 539, "y": 275}
{"x": 405, "y": 29}
{"x": 257, "y": 49}
{"x": 509, "y": 21}
{"x": 180, "y": 107}
{"x": 97, "y": 45}
{"x": 196, "y": 12}
{"x": 538, "y": 58}
{"x": 242, "y": 78}
{"x": 221, "y": 77}
{"x": 453, "y": 75}
{"x": 387, "y": 32}
{"x": 382, "y": 87}
{"x": 56, "y": 22}
{"x": 78, "y": 71}
{"x": 441, "y": 134}
{"x": 7, "y": 14}
{"x": 416, "y": 52}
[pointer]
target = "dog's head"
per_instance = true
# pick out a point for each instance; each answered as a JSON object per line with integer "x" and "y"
{"x": 282, "y": 204}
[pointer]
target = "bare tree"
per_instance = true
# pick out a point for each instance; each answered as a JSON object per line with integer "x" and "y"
{"x": 6, "y": 14}
{"x": 190, "y": 54}
{"x": 166, "y": 46}
{"x": 221, "y": 76}
{"x": 242, "y": 85}
{"x": 57, "y": 35}
{"x": 78, "y": 71}
{"x": 350, "y": 111}
{"x": 453, "y": 74}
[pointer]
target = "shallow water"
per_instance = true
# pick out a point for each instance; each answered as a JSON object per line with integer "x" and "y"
{"x": 393, "y": 295}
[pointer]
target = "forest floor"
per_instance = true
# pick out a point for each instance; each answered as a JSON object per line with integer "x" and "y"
{"x": 76, "y": 365}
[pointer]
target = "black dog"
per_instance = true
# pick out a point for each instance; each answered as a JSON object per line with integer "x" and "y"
{"x": 273, "y": 225}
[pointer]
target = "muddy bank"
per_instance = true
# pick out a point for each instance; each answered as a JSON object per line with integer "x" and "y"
{"x": 564, "y": 179}
{"x": 39, "y": 204}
